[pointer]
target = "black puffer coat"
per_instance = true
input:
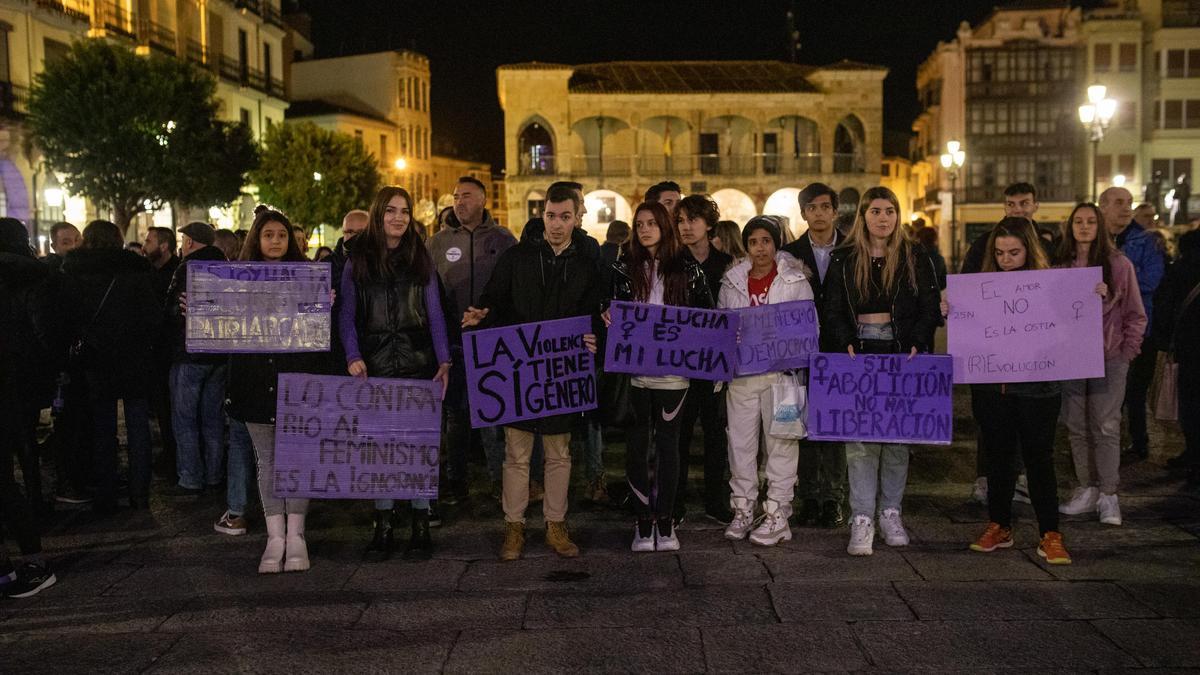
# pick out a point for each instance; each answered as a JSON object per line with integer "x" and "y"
{"x": 116, "y": 335}
{"x": 915, "y": 311}
{"x": 32, "y": 341}
{"x": 252, "y": 378}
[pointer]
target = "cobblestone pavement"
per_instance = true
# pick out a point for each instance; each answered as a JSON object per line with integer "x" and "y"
{"x": 159, "y": 591}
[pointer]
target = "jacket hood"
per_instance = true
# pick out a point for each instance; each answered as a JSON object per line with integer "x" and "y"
{"x": 105, "y": 261}
{"x": 21, "y": 269}
{"x": 452, "y": 220}
{"x": 790, "y": 270}
{"x": 206, "y": 253}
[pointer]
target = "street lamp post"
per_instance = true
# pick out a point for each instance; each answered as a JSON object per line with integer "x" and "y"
{"x": 953, "y": 160}
{"x": 1096, "y": 115}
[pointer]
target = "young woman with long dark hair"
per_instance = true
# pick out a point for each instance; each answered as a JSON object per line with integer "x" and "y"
{"x": 250, "y": 399}
{"x": 1092, "y": 408}
{"x": 655, "y": 271}
{"x": 392, "y": 325}
{"x": 881, "y": 297}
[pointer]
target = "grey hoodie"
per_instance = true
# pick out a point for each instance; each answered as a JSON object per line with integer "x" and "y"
{"x": 465, "y": 259}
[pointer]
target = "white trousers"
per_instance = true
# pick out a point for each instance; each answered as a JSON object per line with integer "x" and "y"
{"x": 751, "y": 407}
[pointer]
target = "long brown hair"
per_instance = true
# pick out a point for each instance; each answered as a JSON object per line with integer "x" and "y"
{"x": 252, "y": 248}
{"x": 369, "y": 252}
{"x": 1101, "y": 250}
{"x": 899, "y": 253}
{"x": 668, "y": 254}
{"x": 1023, "y": 230}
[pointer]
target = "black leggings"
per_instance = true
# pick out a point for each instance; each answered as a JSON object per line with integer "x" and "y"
{"x": 656, "y": 413}
{"x": 1010, "y": 424}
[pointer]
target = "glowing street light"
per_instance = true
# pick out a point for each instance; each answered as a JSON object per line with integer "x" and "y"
{"x": 400, "y": 164}
{"x": 952, "y": 161}
{"x": 1096, "y": 115}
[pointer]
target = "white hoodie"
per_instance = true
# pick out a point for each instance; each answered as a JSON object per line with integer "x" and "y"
{"x": 790, "y": 283}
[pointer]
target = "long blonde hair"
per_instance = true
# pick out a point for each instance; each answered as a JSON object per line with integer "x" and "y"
{"x": 899, "y": 247}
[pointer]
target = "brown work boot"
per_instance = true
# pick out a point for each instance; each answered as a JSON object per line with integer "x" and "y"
{"x": 558, "y": 539}
{"x": 514, "y": 541}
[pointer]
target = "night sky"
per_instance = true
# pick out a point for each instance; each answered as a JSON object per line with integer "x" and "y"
{"x": 466, "y": 41}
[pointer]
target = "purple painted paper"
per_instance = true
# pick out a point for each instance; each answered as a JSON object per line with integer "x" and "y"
{"x": 881, "y": 398}
{"x": 529, "y": 371}
{"x": 236, "y": 307}
{"x": 776, "y": 337}
{"x": 665, "y": 340}
{"x": 356, "y": 438}
{"x": 1036, "y": 326}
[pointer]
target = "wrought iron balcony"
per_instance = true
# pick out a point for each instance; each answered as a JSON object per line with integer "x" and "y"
{"x": 156, "y": 35}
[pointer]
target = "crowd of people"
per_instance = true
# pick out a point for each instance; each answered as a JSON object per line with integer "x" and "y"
{"x": 98, "y": 322}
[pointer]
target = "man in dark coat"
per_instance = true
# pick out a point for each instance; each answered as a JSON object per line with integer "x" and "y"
{"x": 541, "y": 279}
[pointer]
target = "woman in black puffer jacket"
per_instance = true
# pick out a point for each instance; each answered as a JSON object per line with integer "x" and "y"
{"x": 115, "y": 312}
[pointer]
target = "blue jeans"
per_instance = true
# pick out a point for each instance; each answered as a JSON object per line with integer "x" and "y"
{"x": 197, "y": 393}
{"x": 240, "y": 467}
{"x": 877, "y": 472}
{"x": 137, "y": 431}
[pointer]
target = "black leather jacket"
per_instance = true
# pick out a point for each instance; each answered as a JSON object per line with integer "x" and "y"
{"x": 699, "y": 292}
{"x": 915, "y": 311}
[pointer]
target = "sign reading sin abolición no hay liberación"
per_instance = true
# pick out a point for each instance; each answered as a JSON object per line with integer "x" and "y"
{"x": 529, "y": 371}
{"x": 665, "y": 340}
{"x": 880, "y": 398}
{"x": 1032, "y": 326}
{"x": 776, "y": 337}
{"x": 257, "y": 307}
{"x": 356, "y": 438}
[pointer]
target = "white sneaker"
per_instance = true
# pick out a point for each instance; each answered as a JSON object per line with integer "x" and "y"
{"x": 774, "y": 527}
{"x": 892, "y": 528}
{"x": 1110, "y": 510}
{"x": 1083, "y": 500}
{"x": 739, "y": 527}
{"x": 1021, "y": 490}
{"x": 667, "y": 543}
{"x": 862, "y": 536}
{"x": 642, "y": 544}
{"x": 979, "y": 490}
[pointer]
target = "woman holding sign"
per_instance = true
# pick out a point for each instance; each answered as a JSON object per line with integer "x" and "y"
{"x": 1092, "y": 408}
{"x": 1018, "y": 417}
{"x": 392, "y": 325}
{"x": 656, "y": 272}
{"x": 767, "y": 276}
{"x": 881, "y": 297}
{"x": 250, "y": 398}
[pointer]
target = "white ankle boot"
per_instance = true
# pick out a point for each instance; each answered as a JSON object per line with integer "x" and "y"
{"x": 272, "y": 557}
{"x": 297, "y": 549}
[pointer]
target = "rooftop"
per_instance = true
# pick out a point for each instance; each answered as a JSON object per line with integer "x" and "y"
{"x": 334, "y": 104}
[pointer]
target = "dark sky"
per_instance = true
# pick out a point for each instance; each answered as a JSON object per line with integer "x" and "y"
{"x": 466, "y": 41}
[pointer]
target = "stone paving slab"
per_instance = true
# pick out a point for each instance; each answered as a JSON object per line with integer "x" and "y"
{"x": 1157, "y": 642}
{"x": 964, "y": 564}
{"x": 1093, "y": 534}
{"x": 92, "y": 615}
{"x": 332, "y": 610}
{"x": 229, "y": 577}
{"x": 838, "y": 600}
{"x": 1178, "y": 598}
{"x": 116, "y": 653}
{"x": 316, "y": 652}
{"x": 1037, "y": 646}
{"x": 930, "y": 532}
{"x": 396, "y": 575}
{"x": 1158, "y": 562}
{"x": 711, "y": 568}
{"x": 673, "y": 650}
{"x": 1017, "y": 600}
{"x": 588, "y": 573}
{"x": 803, "y": 566}
{"x": 689, "y": 607}
{"x": 811, "y": 646}
{"x": 445, "y": 612}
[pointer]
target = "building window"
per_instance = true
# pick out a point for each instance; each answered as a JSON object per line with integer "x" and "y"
{"x": 5, "y": 76}
{"x": 1176, "y": 62}
{"x": 1193, "y": 63}
{"x": 1127, "y": 165}
{"x": 1127, "y": 57}
{"x": 358, "y": 135}
{"x": 1102, "y": 57}
{"x": 54, "y": 51}
{"x": 1127, "y": 115}
{"x": 243, "y": 55}
{"x": 1103, "y": 168}
{"x": 245, "y": 116}
{"x": 400, "y": 91}
{"x": 1172, "y": 114}
{"x": 383, "y": 148}
{"x": 267, "y": 59}
{"x": 1191, "y": 119}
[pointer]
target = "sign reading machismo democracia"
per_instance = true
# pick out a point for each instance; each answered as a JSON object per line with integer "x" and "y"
{"x": 257, "y": 307}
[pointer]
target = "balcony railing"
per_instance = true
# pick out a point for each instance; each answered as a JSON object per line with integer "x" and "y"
{"x": 602, "y": 165}
{"x": 80, "y": 10}
{"x": 689, "y": 165}
{"x": 275, "y": 87}
{"x": 272, "y": 15}
{"x": 229, "y": 69}
{"x": 848, "y": 162}
{"x": 537, "y": 165}
{"x": 117, "y": 19}
{"x": 995, "y": 193}
{"x": 197, "y": 54}
{"x": 156, "y": 35}
{"x": 14, "y": 100}
{"x": 673, "y": 166}
{"x": 788, "y": 164}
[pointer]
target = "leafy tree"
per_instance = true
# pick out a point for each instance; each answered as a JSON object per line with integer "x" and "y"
{"x": 293, "y": 157}
{"x": 132, "y": 133}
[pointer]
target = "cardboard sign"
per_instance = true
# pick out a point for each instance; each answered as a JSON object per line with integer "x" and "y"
{"x": 257, "y": 307}
{"x": 356, "y": 438}
{"x": 529, "y": 371}
{"x": 1034, "y": 326}
{"x": 776, "y": 337}
{"x": 881, "y": 398}
{"x": 666, "y": 340}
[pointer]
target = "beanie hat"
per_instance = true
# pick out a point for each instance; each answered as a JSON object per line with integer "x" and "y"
{"x": 768, "y": 223}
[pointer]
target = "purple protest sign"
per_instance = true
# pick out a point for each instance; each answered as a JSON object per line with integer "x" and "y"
{"x": 1034, "y": 326}
{"x": 881, "y": 398}
{"x": 529, "y": 371}
{"x": 666, "y": 340}
{"x": 776, "y": 337}
{"x": 257, "y": 307}
{"x": 356, "y": 438}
